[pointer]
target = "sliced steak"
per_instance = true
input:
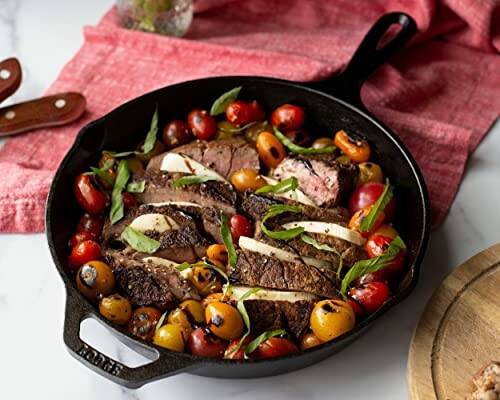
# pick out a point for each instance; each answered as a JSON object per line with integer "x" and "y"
{"x": 324, "y": 180}
{"x": 208, "y": 194}
{"x": 266, "y": 315}
{"x": 148, "y": 284}
{"x": 255, "y": 269}
{"x": 224, "y": 156}
{"x": 183, "y": 245}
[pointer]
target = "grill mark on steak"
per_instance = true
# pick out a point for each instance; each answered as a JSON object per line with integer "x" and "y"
{"x": 183, "y": 245}
{"x": 148, "y": 284}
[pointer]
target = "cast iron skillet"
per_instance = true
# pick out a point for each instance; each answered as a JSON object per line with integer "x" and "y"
{"x": 332, "y": 104}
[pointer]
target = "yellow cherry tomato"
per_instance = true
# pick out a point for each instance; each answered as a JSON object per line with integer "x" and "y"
{"x": 309, "y": 340}
{"x": 205, "y": 280}
{"x": 358, "y": 150}
{"x": 247, "y": 179}
{"x": 369, "y": 172}
{"x": 115, "y": 308}
{"x": 179, "y": 317}
{"x": 95, "y": 279}
{"x": 224, "y": 320}
{"x": 194, "y": 310}
{"x": 270, "y": 149}
{"x": 331, "y": 318}
{"x": 170, "y": 336}
{"x": 213, "y": 297}
{"x": 217, "y": 252}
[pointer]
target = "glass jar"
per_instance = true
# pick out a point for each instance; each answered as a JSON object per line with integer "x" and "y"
{"x": 167, "y": 17}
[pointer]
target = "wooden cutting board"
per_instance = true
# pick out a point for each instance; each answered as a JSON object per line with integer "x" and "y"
{"x": 459, "y": 331}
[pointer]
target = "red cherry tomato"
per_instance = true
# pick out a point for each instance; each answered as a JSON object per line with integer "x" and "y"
{"x": 377, "y": 244}
{"x": 288, "y": 117}
{"x": 84, "y": 252}
{"x": 88, "y": 196}
{"x": 383, "y": 275}
{"x": 90, "y": 223}
{"x": 82, "y": 236}
{"x": 240, "y": 226}
{"x": 202, "y": 124}
{"x": 359, "y": 216}
{"x": 366, "y": 195}
{"x": 275, "y": 347}
{"x": 240, "y": 353}
{"x": 242, "y": 113}
{"x": 369, "y": 298}
{"x": 129, "y": 200}
{"x": 203, "y": 343}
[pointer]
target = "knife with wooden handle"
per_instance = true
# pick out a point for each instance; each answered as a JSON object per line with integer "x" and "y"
{"x": 10, "y": 77}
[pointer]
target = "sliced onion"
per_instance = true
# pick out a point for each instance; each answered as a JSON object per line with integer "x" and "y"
{"x": 329, "y": 229}
{"x": 274, "y": 295}
{"x": 174, "y": 162}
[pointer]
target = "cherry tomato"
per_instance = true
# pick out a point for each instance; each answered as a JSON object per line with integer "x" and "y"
{"x": 252, "y": 132}
{"x": 343, "y": 159}
{"x": 299, "y": 137}
{"x": 241, "y": 112}
{"x": 386, "y": 230}
{"x": 240, "y": 226}
{"x": 369, "y": 298}
{"x": 247, "y": 179}
{"x": 217, "y": 252}
{"x": 143, "y": 322}
{"x": 95, "y": 279}
{"x": 240, "y": 353}
{"x": 202, "y": 124}
{"x": 82, "y": 236}
{"x": 179, "y": 317}
{"x": 359, "y": 216}
{"x": 129, "y": 200}
{"x": 88, "y": 196}
{"x": 369, "y": 172}
{"x": 367, "y": 194}
{"x": 115, "y": 308}
{"x": 270, "y": 149}
{"x": 224, "y": 320}
{"x": 84, "y": 252}
{"x": 275, "y": 347}
{"x": 111, "y": 171}
{"x": 331, "y": 318}
{"x": 382, "y": 275}
{"x": 309, "y": 340}
{"x": 194, "y": 311}
{"x": 377, "y": 244}
{"x": 288, "y": 117}
{"x": 90, "y": 223}
{"x": 212, "y": 298}
{"x": 358, "y": 150}
{"x": 203, "y": 343}
{"x": 176, "y": 133}
{"x": 323, "y": 142}
{"x": 170, "y": 336}
{"x": 205, "y": 280}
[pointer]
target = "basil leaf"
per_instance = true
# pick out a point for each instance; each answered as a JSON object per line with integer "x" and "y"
{"x": 139, "y": 241}
{"x": 150, "y": 140}
{"x": 224, "y": 100}
{"x": 190, "y": 179}
{"x": 379, "y": 206}
{"x": 103, "y": 174}
{"x": 320, "y": 246}
{"x": 107, "y": 164}
{"x": 228, "y": 240}
{"x": 281, "y": 187}
{"x": 363, "y": 267}
{"x": 122, "y": 154}
{"x": 122, "y": 176}
{"x": 240, "y": 129}
{"x": 299, "y": 149}
{"x": 277, "y": 209}
{"x": 339, "y": 269}
{"x": 183, "y": 266}
{"x": 161, "y": 320}
{"x": 136, "y": 187}
{"x": 252, "y": 346}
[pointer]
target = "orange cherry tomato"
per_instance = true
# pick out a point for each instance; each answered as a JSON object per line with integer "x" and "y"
{"x": 357, "y": 150}
{"x": 247, "y": 179}
{"x": 143, "y": 322}
{"x": 270, "y": 149}
{"x": 217, "y": 252}
{"x": 359, "y": 216}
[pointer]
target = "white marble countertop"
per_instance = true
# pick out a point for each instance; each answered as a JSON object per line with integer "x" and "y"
{"x": 33, "y": 359}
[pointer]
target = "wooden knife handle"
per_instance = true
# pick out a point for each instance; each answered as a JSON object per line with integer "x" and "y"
{"x": 58, "y": 109}
{"x": 10, "y": 77}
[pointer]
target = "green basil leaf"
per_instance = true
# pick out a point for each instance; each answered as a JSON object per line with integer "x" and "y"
{"x": 224, "y": 100}
{"x": 281, "y": 187}
{"x": 136, "y": 187}
{"x": 139, "y": 241}
{"x": 183, "y": 266}
{"x": 363, "y": 267}
{"x": 277, "y": 209}
{"x": 240, "y": 129}
{"x": 121, "y": 154}
{"x": 107, "y": 164}
{"x": 103, "y": 174}
{"x": 379, "y": 206}
{"x": 301, "y": 150}
{"x": 191, "y": 179}
{"x": 228, "y": 240}
{"x": 150, "y": 140}
{"x": 122, "y": 176}
{"x": 320, "y": 246}
{"x": 161, "y": 320}
{"x": 339, "y": 269}
{"x": 252, "y": 346}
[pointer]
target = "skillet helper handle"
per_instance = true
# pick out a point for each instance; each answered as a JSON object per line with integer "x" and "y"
{"x": 372, "y": 53}
{"x": 168, "y": 363}
{"x": 10, "y": 77}
{"x": 54, "y": 110}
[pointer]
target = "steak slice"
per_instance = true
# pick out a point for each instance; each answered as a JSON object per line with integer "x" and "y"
{"x": 225, "y": 156}
{"x": 255, "y": 269}
{"x": 148, "y": 284}
{"x": 266, "y": 315}
{"x": 183, "y": 245}
{"x": 323, "y": 180}
{"x": 159, "y": 189}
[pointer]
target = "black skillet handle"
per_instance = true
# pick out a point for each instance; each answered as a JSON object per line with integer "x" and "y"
{"x": 369, "y": 56}
{"x": 168, "y": 363}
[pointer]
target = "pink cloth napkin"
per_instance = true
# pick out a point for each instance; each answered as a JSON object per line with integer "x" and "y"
{"x": 440, "y": 94}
